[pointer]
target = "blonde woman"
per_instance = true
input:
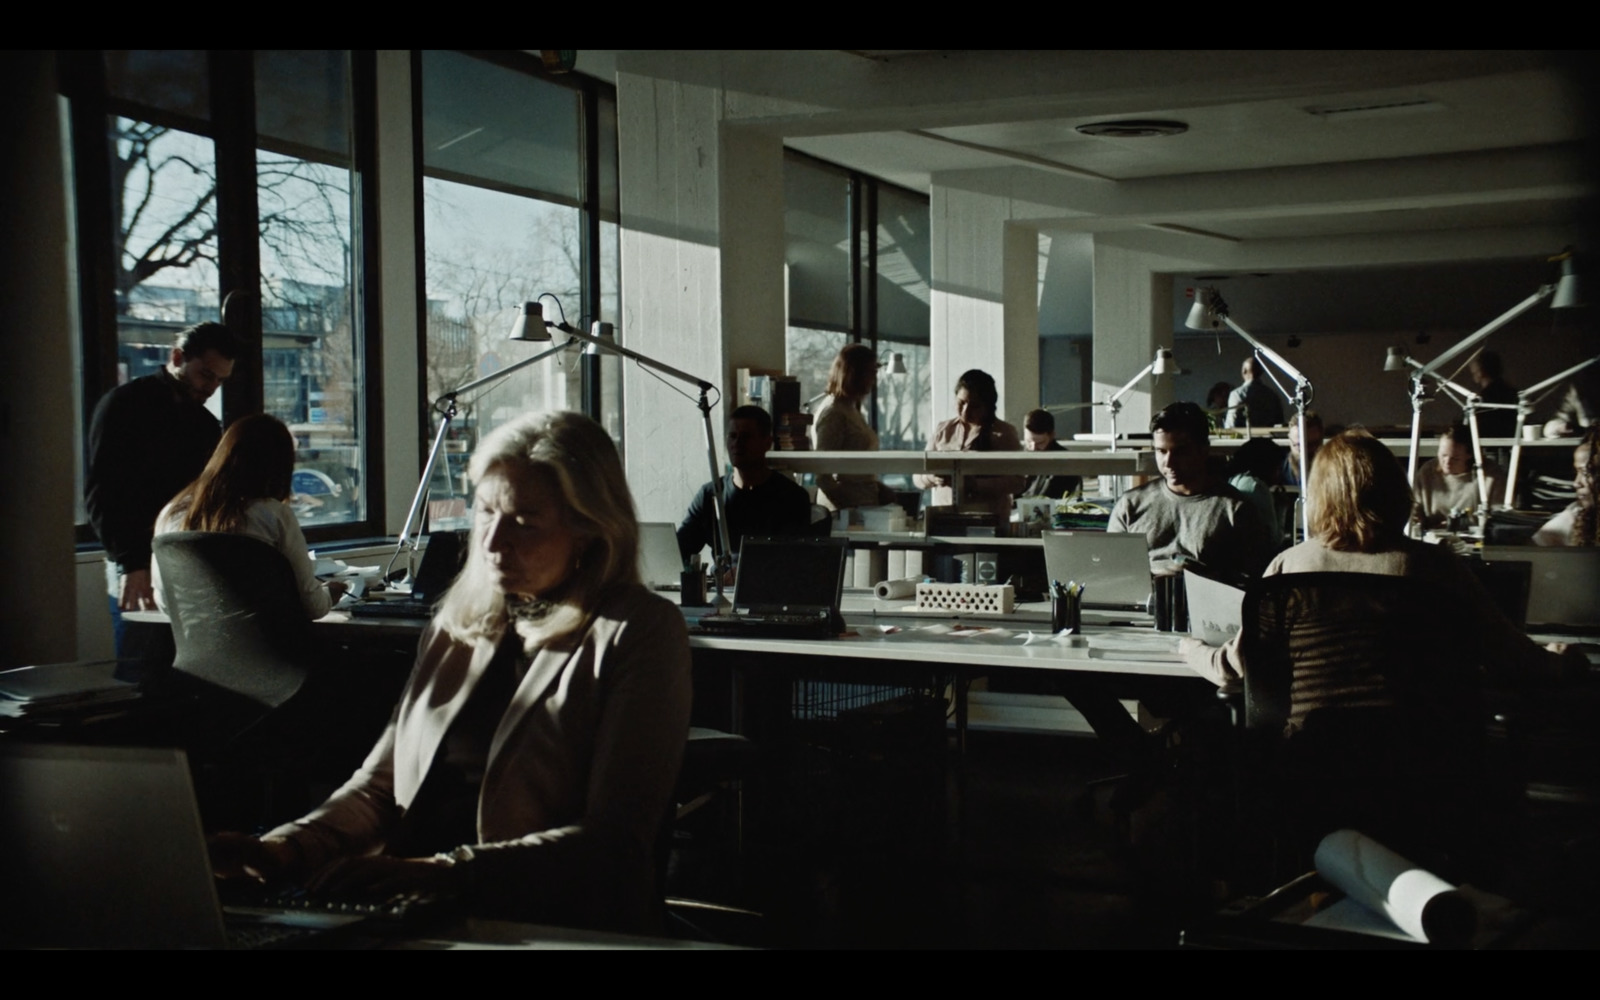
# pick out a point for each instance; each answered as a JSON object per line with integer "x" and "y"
{"x": 532, "y": 756}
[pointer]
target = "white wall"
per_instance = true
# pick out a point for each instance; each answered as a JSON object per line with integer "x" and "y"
{"x": 38, "y": 606}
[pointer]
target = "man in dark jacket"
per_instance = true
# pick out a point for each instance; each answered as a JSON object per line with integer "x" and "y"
{"x": 150, "y": 438}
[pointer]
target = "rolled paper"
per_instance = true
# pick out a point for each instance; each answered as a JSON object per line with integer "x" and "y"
{"x": 1419, "y": 902}
{"x": 897, "y": 590}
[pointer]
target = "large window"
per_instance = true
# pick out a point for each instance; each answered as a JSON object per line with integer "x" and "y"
{"x": 519, "y": 199}
{"x": 857, "y": 259}
{"x": 233, "y": 177}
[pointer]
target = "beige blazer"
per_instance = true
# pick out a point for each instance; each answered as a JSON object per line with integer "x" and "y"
{"x": 579, "y": 776}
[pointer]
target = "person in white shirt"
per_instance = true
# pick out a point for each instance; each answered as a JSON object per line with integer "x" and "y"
{"x": 1447, "y": 483}
{"x": 1579, "y": 524}
{"x": 244, "y": 490}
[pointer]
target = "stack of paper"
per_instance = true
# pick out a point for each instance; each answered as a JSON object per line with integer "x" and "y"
{"x": 59, "y": 689}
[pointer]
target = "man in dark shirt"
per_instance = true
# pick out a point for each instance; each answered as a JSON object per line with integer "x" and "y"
{"x": 758, "y": 501}
{"x": 148, "y": 439}
{"x": 1039, "y": 434}
{"x": 1488, "y": 376}
{"x": 1254, "y": 403}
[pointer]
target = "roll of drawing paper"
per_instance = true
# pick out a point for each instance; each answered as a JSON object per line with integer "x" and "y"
{"x": 897, "y": 590}
{"x": 1419, "y": 902}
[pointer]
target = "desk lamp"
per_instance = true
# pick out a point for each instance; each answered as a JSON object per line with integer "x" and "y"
{"x": 1162, "y": 364}
{"x": 1469, "y": 400}
{"x": 1208, "y": 312}
{"x": 1565, "y": 294}
{"x": 531, "y": 326}
{"x": 446, "y": 407}
{"x": 1526, "y": 400}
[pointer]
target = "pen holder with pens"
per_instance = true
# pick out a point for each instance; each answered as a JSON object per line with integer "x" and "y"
{"x": 1066, "y": 610}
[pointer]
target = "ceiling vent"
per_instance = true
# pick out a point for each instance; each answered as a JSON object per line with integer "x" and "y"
{"x": 1376, "y": 109}
{"x": 1133, "y": 129}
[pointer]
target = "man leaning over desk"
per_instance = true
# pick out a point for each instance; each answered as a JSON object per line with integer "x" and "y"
{"x": 148, "y": 439}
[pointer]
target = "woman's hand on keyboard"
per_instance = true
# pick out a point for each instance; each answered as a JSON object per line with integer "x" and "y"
{"x": 239, "y": 855}
{"x": 383, "y": 877}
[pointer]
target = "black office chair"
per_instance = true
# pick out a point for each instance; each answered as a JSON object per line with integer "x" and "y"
{"x": 242, "y": 695}
{"x": 1362, "y": 708}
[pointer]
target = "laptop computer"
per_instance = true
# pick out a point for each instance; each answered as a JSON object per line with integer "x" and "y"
{"x": 441, "y": 561}
{"x": 107, "y": 851}
{"x": 1563, "y": 586}
{"x": 1113, "y": 566}
{"x": 785, "y": 588}
{"x": 660, "y": 562}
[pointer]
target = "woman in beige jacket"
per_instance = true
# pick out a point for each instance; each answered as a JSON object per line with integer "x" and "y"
{"x": 532, "y": 756}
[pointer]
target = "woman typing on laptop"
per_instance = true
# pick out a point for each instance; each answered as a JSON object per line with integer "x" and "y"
{"x": 532, "y": 755}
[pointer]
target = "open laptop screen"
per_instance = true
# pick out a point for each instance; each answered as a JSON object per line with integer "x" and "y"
{"x": 781, "y": 574}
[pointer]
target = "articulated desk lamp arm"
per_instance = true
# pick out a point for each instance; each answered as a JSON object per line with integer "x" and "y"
{"x": 532, "y": 326}
{"x": 1526, "y": 400}
{"x": 1209, "y": 310}
{"x": 446, "y": 407}
{"x": 1565, "y": 296}
{"x": 1468, "y": 399}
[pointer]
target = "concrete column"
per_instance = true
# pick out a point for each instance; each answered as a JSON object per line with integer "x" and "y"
{"x": 38, "y": 613}
{"x": 702, "y": 255}
{"x": 1132, "y": 316}
{"x": 985, "y": 305}
{"x": 400, "y": 379}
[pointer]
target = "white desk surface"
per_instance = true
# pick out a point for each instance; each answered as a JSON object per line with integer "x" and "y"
{"x": 1112, "y": 650}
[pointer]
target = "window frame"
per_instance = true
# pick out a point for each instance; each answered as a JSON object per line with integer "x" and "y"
{"x": 231, "y": 81}
{"x": 862, "y": 206}
{"x": 591, "y": 214}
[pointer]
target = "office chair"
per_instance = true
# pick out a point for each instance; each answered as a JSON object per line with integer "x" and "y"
{"x": 242, "y": 696}
{"x": 1362, "y": 708}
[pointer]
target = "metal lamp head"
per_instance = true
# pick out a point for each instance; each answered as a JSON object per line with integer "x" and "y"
{"x": 1396, "y": 360}
{"x": 529, "y": 326}
{"x": 1164, "y": 363}
{"x": 1569, "y": 294}
{"x": 1203, "y": 314}
{"x": 896, "y": 365}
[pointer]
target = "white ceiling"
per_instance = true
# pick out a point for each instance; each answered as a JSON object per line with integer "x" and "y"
{"x": 1478, "y": 142}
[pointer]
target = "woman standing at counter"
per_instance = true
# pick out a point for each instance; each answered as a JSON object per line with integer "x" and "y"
{"x": 978, "y": 427}
{"x": 841, "y": 427}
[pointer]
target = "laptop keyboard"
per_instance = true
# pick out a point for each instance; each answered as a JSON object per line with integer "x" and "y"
{"x": 772, "y": 626}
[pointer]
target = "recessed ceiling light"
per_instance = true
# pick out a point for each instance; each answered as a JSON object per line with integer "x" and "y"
{"x": 1133, "y": 129}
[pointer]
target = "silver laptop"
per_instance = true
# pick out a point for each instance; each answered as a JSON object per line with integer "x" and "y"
{"x": 1564, "y": 587}
{"x": 1114, "y": 567}
{"x": 106, "y": 851}
{"x": 660, "y": 562}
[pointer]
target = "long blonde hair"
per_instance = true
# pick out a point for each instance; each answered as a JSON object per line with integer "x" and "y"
{"x": 579, "y": 458}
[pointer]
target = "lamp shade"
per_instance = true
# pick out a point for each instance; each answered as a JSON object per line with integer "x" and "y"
{"x": 1201, "y": 315}
{"x": 530, "y": 324}
{"x": 1396, "y": 360}
{"x": 1569, "y": 294}
{"x": 1164, "y": 364}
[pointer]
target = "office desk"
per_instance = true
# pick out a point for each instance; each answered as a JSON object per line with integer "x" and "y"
{"x": 884, "y": 643}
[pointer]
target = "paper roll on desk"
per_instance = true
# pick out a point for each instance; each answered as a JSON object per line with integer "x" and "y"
{"x": 897, "y": 590}
{"x": 1417, "y": 901}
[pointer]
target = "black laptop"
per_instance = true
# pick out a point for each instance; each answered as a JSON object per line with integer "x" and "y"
{"x": 106, "y": 851}
{"x": 786, "y": 588}
{"x": 441, "y": 561}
